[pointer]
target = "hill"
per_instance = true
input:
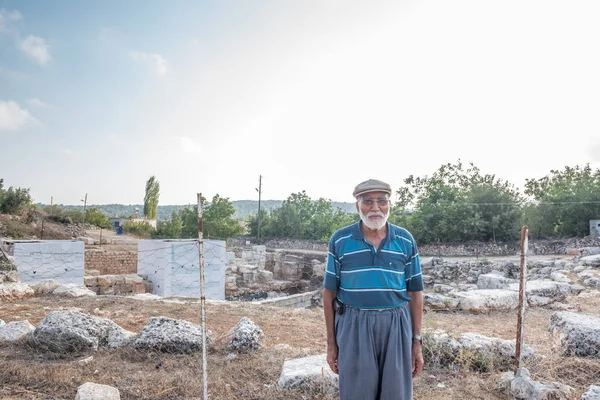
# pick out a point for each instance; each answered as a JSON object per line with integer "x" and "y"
{"x": 243, "y": 208}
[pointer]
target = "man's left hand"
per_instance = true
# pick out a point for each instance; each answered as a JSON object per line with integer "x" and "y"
{"x": 417, "y": 358}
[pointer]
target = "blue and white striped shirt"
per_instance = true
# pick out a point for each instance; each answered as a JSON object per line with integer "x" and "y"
{"x": 367, "y": 278}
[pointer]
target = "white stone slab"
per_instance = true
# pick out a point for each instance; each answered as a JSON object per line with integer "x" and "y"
{"x": 61, "y": 260}
{"x": 173, "y": 267}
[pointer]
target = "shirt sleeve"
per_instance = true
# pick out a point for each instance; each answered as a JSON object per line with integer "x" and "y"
{"x": 412, "y": 270}
{"x": 331, "y": 280}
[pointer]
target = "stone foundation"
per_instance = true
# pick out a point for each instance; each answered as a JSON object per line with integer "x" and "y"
{"x": 118, "y": 284}
{"x": 111, "y": 262}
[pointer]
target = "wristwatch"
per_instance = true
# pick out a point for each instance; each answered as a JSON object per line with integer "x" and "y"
{"x": 418, "y": 337}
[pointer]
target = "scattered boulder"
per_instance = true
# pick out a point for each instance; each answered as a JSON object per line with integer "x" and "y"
{"x": 476, "y": 351}
{"x": 484, "y": 300}
{"x": 70, "y": 331}
{"x": 45, "y": 287}
{"x": 171, "y": 336}
{"x": 95, "y": 391}
{"x": 14, "y": 331}
{"x": 12, "y": 291}
{"x": 308, "y": 372}
{"x": 498, "y": 352}
{"x": 441, "y": 288}
{"x": 593, "y": 393}
{"x": 439, "y": 348}
{"x": 433, "y": 301}
{"x": 493, "y": 281}
{"x": 543, "y": 292}
{"x": 245, "y": 336}
{"x": 577, "y": 333}
{"x": 592, "y": 261}
{"x": 560, "y": 276}
{"x": 73, "y": 290}
{"x": 522, "y": 387}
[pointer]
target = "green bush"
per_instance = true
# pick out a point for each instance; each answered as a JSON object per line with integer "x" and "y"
{"x": 59, "y": 214}
{"x": 14, "y": 201}
{"x": 139, "y": 229}
{"x": 96, "y": 217}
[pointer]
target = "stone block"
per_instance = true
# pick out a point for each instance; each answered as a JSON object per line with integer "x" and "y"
{"x": 90, "y": 280}
{"x": 577, "y": 333}
{"x": 131, "y": 279}
{"x": 308, "y": 372}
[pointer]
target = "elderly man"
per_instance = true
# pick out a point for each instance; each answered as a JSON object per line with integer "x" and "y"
{"x": 373, "y": 302}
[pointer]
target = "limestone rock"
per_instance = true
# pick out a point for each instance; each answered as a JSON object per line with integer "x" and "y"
{"x": 522, "y": 387}
{"x": 500, "y": 351}
{"x": 95, "y": 391}
{"x": 441, "y": 288}
{"x": 73, "y": 290}
{"x": 172, "y": 336}
{"x": 245, "y": 336}
{"x": 493, "y": 281}
{"x": 307, "y": 372}
{"x": 593, "y": 393}
{"x": 578, "y": 334}
{"x": 484, "y": 300}
{"x": 434, "y": 301}
{"x": 73, "y": 331}
{"x": 45, "y": 287}
{"x": 11, "y": 291}
{"x": 15, "y": 330}
{"x": 592, "y": 261}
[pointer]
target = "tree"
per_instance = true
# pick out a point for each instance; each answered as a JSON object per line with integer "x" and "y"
{"x": 98, "y": 218}
{"x": 564, "y": 202}
{"x": 456, "y": 205}
{"x": 14, "y": 201}
{"x": 151, "y": 198}
{"x": 302, "y": 218}
{"x": 218, "y": 221}
{"x": 170, "y": 229}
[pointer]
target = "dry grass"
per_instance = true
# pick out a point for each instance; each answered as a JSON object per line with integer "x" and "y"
{"x": 26, "y": 374}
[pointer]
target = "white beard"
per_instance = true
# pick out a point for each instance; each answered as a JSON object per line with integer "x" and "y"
{"x": 377, "y": 224}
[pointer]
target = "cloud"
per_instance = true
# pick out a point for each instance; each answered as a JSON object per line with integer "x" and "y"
{"x": 160, "y": 64}
{"x": 13, "y": 117}
{"x": 38, "y": 103}
{"x": 593, "y": 149}
{"x": 8, "y": 16}
{"x": 67, "y": 151}
{"x": 37, "y": 48}
{"x": 189, "y": 146}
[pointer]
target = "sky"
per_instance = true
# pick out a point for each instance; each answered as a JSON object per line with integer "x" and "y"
{"x": 97, "y": 96}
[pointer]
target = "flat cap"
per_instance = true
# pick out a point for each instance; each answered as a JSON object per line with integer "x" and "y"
{"x": 371, "y": 185}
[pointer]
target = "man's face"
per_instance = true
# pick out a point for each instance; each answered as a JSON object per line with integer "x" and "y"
{"x": 374, "y": 209}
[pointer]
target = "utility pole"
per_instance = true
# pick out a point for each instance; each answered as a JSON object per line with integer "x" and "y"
{"x": 259, "y": 193}
{"x": 84, "y": 204}
{"x": 51, "y": 200}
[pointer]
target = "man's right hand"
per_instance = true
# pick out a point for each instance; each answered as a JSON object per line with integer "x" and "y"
{"x": 332, "y": 357}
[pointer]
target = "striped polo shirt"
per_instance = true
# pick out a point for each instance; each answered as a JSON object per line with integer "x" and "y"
{"x": 365, "y": 277}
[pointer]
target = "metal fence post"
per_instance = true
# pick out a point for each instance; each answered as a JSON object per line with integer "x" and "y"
{"x": 522, "y": 296}
{"x": 202, "y": 295}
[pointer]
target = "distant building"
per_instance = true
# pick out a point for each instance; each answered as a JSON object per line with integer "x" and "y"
{"x": 595, "y": 227}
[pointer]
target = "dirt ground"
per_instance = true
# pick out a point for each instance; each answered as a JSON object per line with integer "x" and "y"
{"x": 26, "y": 374}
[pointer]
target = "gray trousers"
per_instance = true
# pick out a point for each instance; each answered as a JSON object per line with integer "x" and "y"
{"x": 374, "y": 358}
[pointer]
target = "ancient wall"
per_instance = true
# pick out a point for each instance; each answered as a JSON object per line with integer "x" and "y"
{"x": 539, "y": 247}
{"x": 111, "y": 262}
